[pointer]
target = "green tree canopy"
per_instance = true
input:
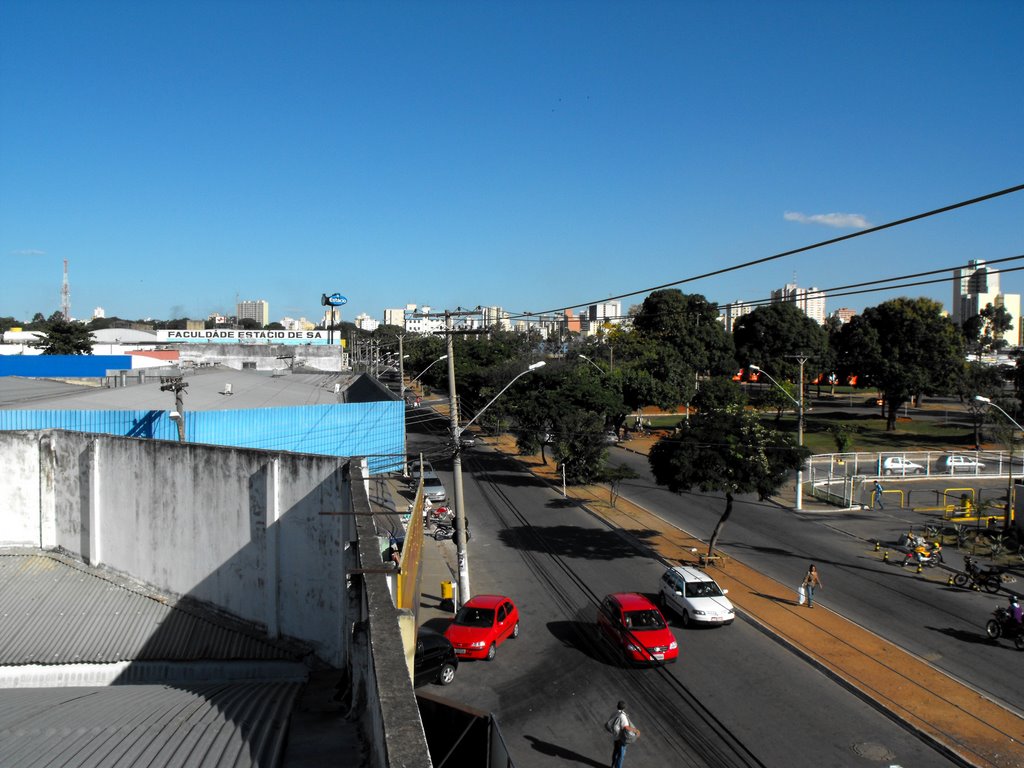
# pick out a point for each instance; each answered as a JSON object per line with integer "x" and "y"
{"x": 772, "y": 335}
{"x": 689, "y": 324}
{"x": 65, "y": 338}
{"x": 729, "y": 451}
{"x": 905, "y": 348}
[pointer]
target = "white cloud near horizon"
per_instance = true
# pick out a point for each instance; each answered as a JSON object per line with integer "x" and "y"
{"x": 838, "y": 220}
{"x": 28, "y": 252}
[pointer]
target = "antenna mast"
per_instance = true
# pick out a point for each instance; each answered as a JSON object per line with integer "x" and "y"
{"x": 65, "y": 295}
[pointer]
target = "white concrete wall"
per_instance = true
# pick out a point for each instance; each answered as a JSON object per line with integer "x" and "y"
{"x": 255, "y": 533}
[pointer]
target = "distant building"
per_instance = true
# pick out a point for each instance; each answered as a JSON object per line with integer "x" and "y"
{"x": 366, "y": 323}
{"x": 598, "y": 316}
{"x": 254, "y": 310}
{"x": 98, "y": 313}
{"x": 332, "y": 316}
{"x": 496, "y": 316}
{"x": 394, "y": 317}
{"x": 302, "y": 324}
{"x": 418, "y": 320}
{"x": 810, "y": 301}
{"x": 733, "y": 311}
{"x": 844, "y": 315}
{"x": 219, "y": 319}
{"x": 974, "y": 288}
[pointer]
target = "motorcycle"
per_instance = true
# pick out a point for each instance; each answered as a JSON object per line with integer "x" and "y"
{"x": 1004, "y": 625}
{"x": 441, "y": 515}
{"x": 975, "y": 576}
{"x": 445, "y": 531}
{"x": 925, "y": 554}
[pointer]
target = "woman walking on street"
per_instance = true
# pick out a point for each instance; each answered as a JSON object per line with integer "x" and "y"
{"x": 811, "y": 582}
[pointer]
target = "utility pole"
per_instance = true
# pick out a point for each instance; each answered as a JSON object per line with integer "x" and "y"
{"x": 460, "y": 507}
{"x": 177, "y": 385}
{"x": 800, "y": 432}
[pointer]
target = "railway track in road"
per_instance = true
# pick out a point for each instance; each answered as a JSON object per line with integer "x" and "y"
{"x": 956, "y": 718}
{"x": 700, "y": 737}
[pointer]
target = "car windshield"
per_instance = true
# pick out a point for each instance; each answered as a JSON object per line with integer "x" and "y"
{"x": 432, "y": 482}
{"x": 474, "y": 617}
{"x": 644, "y": 620}
{"x": 703, "y": 589}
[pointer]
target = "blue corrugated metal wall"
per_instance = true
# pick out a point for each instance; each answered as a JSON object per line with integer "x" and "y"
{"x": 374, "y": 430}
{"x": 63, "y": 366}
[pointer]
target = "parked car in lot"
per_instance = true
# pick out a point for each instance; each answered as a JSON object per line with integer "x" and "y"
{"x": 899, "y": 465}
{"x": 481, "y": 625}
{"x": 959, "y": 463}
{"x": 636, "y": 628}
{"x": 695, "y": 597}
{"x": 435, "y": 660}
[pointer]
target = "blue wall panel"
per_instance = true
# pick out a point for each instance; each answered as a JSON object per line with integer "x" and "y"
{"x": 63, "y": 366}
{"x": 374, "y": 430}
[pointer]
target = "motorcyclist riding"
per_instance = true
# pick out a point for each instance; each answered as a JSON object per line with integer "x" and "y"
{"x": 1016, "y": 613}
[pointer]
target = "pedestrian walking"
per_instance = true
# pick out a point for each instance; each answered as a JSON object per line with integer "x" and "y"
{"x": 624, "y": 733}
{"x": 811, "y": 582}
{"x": 878, "y": 496}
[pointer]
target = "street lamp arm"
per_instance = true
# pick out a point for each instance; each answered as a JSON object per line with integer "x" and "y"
{"x": 773, "y": 381}
{"x": 535, "y": 366}
{"x": 599, "y": 368}
{"x": 442, "y": 357}
{"x": 988, "y": 401}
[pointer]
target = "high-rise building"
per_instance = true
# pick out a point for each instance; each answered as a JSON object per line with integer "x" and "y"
{"x": 810, "y": 301}
{"x": 417, "y": 320}
{"x": 253, "y": 310}
{"x": 597, "y": 316}
{"x": 844, "y": 314}
{"x": 394, "y": 317}
{"x": 975, "y": 287}
{"x": 733, "y": 311}
{"x": 366, "y": 323}
{"x": 495, "y": 316}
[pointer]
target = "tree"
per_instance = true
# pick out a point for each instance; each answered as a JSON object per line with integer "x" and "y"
{"x": 614, "y": 477}
{"x": 689, "y": 324}
{"x": 983, "y": 333}
{"x": 771, "y": 336}
{"x": 64, "y": 338}
{"x": 979, "y": 379}
{"x": 728, "y": 451}
{"x": 904, "y": 347}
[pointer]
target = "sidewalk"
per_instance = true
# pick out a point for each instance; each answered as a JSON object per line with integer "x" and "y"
{"x": 956, "y": 718}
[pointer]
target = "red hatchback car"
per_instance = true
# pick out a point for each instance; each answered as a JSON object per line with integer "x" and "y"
{"x": 481, "y": 625}
{"x": 635, "y": 626}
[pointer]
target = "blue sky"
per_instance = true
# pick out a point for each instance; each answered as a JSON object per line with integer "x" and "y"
{"x": 531, "y": 155}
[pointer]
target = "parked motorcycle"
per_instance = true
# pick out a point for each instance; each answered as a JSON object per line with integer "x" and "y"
{"x": 442, "y": 515}
{"x": 1004, "y": 625}
{"x": 975, "y": 576}
{"x": 445, "y": 531}
{"x": 925, "y": 554}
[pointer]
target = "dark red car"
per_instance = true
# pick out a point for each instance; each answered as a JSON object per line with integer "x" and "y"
{"x": 635, "y": 626}
{"x": 481, "y": 625}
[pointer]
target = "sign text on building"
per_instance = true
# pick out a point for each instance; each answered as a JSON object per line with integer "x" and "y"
{"x": 242, "y": 335}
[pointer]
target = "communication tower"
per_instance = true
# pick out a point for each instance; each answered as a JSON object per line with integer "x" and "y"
{"x": 65, "y": 294}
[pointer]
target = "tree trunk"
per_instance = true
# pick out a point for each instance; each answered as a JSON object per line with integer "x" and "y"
{"x": 721, "y": 522}
{"x": 890, "y": 417}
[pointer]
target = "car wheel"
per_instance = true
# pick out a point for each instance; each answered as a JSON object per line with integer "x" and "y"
{"x": 491, "y": 652}
{"x": 515, "y": 630}
{"x": 685, "y": 619}
{"x": 446, "y": 675}
{"x": 993, "y": 630}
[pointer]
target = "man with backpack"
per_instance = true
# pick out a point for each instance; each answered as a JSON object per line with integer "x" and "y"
{"x": 624, "y": 732}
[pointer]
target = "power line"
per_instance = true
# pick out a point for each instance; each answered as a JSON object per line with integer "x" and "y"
{"x": 783, "y": 254}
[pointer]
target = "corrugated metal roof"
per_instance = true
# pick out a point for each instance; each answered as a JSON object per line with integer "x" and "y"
{"x": 241, "y": 725}
{"x": 56, "y": 611}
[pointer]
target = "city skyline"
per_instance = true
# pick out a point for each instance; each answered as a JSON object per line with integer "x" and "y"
{"x": 531, "y": 156}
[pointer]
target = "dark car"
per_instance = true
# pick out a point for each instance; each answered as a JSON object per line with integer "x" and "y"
{"x": 436, "y": 661}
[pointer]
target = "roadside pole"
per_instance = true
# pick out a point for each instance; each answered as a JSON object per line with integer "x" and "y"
{"x": 460, "y": 508}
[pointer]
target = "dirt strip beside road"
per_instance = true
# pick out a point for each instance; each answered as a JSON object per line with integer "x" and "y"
{"x": 953, "y": 715}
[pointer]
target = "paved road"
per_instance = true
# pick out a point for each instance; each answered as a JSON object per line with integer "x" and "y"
{"x": 736, "y": 697}
{"x": 920, "y": 613}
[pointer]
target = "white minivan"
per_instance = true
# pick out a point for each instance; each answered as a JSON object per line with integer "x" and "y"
{"x": 695, "y": 597}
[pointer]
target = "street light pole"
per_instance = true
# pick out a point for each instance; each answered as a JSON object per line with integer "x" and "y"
{"x": 599, "y": 368}
{"x": 460, "y": 508}
{"x": 800, "y": 427}
{"x": 1009, "y": 490}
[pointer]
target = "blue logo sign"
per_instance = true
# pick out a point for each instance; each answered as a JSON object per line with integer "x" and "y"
{"x": 334, "y": 300}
